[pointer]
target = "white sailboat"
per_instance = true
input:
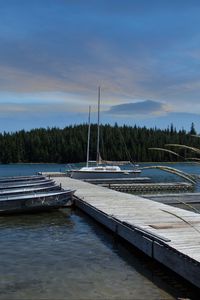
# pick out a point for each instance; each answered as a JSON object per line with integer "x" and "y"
{"x": 103, "y": 169}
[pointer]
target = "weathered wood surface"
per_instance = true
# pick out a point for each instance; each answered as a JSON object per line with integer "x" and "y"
{"x": 168, "y": 234}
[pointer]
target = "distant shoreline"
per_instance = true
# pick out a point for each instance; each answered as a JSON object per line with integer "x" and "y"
{"x": 39, "y": 163}
{"x": 46, "y": 163}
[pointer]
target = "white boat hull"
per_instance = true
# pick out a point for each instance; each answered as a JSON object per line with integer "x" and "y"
{"x": 82, "y": 175}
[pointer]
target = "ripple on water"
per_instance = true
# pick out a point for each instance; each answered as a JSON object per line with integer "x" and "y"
{"x": 65, "y": 255}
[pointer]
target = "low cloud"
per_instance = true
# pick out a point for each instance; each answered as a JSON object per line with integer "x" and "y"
{"x": 38, "y": 108}
{"x": 140, "y": 108}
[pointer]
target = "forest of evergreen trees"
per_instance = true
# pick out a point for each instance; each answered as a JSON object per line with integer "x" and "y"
{"x": 68, "y": 145}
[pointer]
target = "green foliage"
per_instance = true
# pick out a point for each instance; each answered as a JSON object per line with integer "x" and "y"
{"x": 192, "y": 130}
{"x": 68, "y": 145}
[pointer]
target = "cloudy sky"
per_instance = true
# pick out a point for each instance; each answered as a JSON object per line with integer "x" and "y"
{"x": 145, "y": 55}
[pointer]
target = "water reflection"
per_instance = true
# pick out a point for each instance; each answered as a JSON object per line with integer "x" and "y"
{"x": 34, "y": 220}
{"x": 149, "y": 272}
{"x": 66, "y": 255}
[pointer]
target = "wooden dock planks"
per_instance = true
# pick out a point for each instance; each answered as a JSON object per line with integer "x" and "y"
{"x": 168, "y": 234}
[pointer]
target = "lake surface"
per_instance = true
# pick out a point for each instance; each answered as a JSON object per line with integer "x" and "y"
{"x": 66, "y": 255}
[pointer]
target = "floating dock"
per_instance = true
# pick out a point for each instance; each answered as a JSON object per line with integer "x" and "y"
{"x": 107, "y": 181}
{"x": 149, "y": 187}
{"x": 131, "y": 185}
{"x": 167, "y": 234}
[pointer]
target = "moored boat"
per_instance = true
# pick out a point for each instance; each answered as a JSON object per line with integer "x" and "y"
{"x": 104, "y": 172}
{"x": 35, "y": 202}
{"x": 103, "y": 169}
{"x": 25, "y": 184}
{"x": 11, "y": 192}
{"x": 20, "y": 178}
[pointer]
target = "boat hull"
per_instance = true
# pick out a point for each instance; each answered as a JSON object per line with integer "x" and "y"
{"x": 79, "y": 174}
{"x": 13, "y": 192}
{"x": 24, "y": 184}
{"x": 35, "y": 203}
{"x": 21, "y": 178}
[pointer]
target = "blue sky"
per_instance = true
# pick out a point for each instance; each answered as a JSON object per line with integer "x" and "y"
{"x": 144, "y": 54}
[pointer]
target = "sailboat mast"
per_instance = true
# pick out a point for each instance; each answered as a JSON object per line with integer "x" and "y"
{"x": 88, "y": 139}
{"x": 98, "y": 127}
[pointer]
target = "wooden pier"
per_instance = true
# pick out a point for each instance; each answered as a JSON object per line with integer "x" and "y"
{"x": 167, "y": 234}
{"x": 131, "y": 185}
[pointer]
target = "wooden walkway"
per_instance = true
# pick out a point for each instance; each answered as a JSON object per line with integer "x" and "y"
{"x": 169, "y": 235}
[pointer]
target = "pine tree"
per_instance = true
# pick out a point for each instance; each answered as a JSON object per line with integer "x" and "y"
{"x": 192, "y": 130}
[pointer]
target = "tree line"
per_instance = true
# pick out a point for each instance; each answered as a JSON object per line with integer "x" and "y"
{"x": 68, "y": 145}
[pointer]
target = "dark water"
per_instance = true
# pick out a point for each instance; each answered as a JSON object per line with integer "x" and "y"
{"x": 66, "y": 255}
{"x": 157, "y": 175}
{"x": 29, "y": 169}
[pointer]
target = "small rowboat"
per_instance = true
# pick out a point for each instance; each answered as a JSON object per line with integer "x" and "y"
{"x": 35, "y": 202}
